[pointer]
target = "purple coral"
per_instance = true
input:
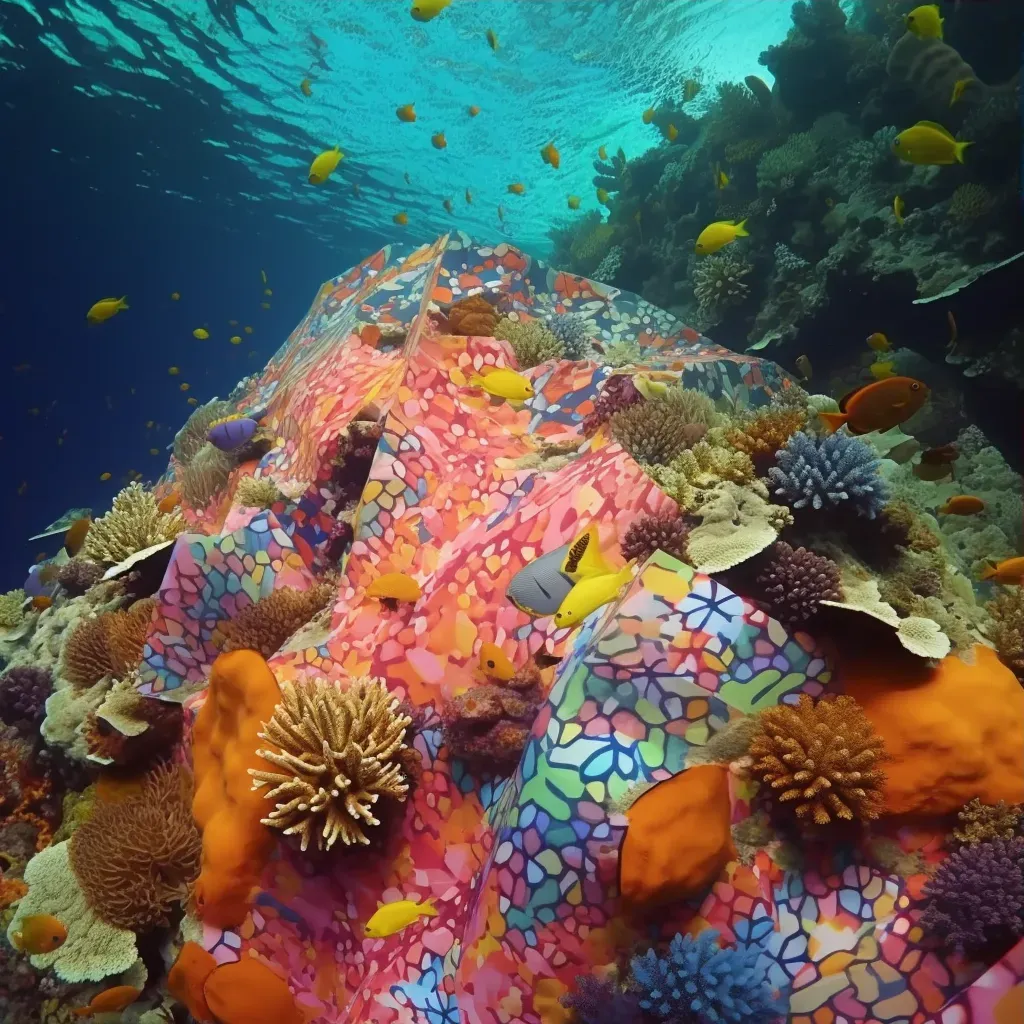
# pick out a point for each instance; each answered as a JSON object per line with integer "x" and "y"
{"x": 665, "y": 531}
{"x": 796, "y": 581}
{"x": 23, "y": 693}
{"x": 78, "y": 575}
{"x": 976, "y": 899}
{"x": 601, "y": 1002}
{"x": 354, "y": 458}
{"x": 618, "y": 393}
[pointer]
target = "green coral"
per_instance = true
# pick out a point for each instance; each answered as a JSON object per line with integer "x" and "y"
{"x": 531, "y": 341}
{"x": 625, "y": 352}
{"x": 779, "y": 167}
{"x": 736, "y": 115}
{"x": 718, "y": 284}
{"x": 694, "y": 474}
{"x": 980, "y": 823}
{"x": 744, "y": 151}
{"x": 11, "y": 615}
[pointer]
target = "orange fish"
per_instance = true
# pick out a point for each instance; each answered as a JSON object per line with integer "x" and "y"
{"x": 517, "y": 188}
{"x": 438, "y": 141}
{"x": 495, "y": 662}
{"x": 880, "y": 405}
{"x": 395, "y": 586}
{"x": 75, "y": 537}
{"x": 249, "y": 992}
{"x": 401, "y": 218}
{"x": 111, "y": 1000}
{"x": 1009, "y": 571}
{"x": 39, "y": 933}
{"x": 169, "y": 502}
{"x": 963, "y": 505}
{"x": 550, "y": 155}
{"x": 41, "y": 602}
{"x": 473, "y": 111}
{"x": 188, "y": 976}
{"x": 602, "y": 153}
{"x": 406, "y": 113}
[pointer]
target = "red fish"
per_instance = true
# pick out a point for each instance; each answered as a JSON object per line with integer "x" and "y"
{"x": 1009, "y": 571}
{"x": 963, "y": 505}
{"x": 880, "y": 405}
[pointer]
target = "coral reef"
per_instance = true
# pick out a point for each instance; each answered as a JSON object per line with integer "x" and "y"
{"x": 23, "y": 693}
{"x": 338, "y": 750}
{"x": 602, "y": 1002}
{"x": 205, "y": 476}
{"x": 193, "y": 435}
{"x": 657, "y": 430}
{"x": 78, "y": 575}
{"x": 11, "y": 615}
{"x": 980, "y": 823}
{"x": 256, "y": 492}
{"x": 133, "y": 523}
{"x": 718, "y": 284}
{"x": 1007, "y": 611}
{"x": 796, "y": 581}
{"x": 571, "y": 330}
{"x": 110, "y": 643}
{"x": 617, "y": 393}
{"x": 531, "y": 341}
{"x": 267, "y": 624}
{"x": 821, "y": 760}
{"x": 693, "y": 476}
{"x": 763, "y": 433}
{"x": 661, "y": 531}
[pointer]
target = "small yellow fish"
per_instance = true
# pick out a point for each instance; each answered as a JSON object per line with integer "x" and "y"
{"x": 803, "y": 364}
{"x": 393, "y": 917}
{"x": 924, "y": 22}
{"x": 882, "y": 371}
{"x": 248, "y": 330}
{"x": 306, "y": 87}
{"x": 447, "y": 204}
{"x": 150, "y": 424}
{"x": 264, "y": 305}
{"x": 236, "y": 339}
{"x": 154, "y": 451}
{"x": 492, "y": 39}
{"x": 720, "y": 233}
{"x": 602, "y": 196}
{"x": 41, "y": 933}
{"x": 469, "y": 196}
{"x": 574, "y": 202}
{"x": 690, "y": 89}
{"x": 495, "y": 663}
{"x": 175, "y": 296}
{"x": 517, "y": 188}
{"x": 930, "y": 145}
{"x": 401, "y": 218}
{"x": 406, "y": 113}
{"x": 323, "y": 166}
{"x": 878, "y": 341}
{"x": 501, "y": 213}
{"x": 105, "y": 309}
{"x": 438, "y": 141}
{"x": 183, "y": 386}
{"x": 426, "y": 10}
{"x": 200, "y": 334}
{"x": 473, "y": 111}
{"x": 958, "y": 89}
{"x": 589, "y": 594}
{"x": 721, "y": 178}
{"x": 263, "y": 276}
{"x": 897, "y": 210}
{"x": 395, "y": 586}
{"x": 195, "y": 401}
{"x": 267, "y": 291}
{"x": 648, "y": 115}
{"x": 550, "y": 155}
{"x": 173, "y": 371}
{"x": 503, "y": 384}
{"x": 671, "y": 133}
{"x": 602, "y": 153}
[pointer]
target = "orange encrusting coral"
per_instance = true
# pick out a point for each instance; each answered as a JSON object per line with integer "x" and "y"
{"x": 678, "y": 838}
{"x": 242, "y": 696}
{"x": 953, "y": 732}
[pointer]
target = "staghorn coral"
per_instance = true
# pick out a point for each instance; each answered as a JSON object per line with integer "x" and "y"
{"x": 133, "y": 523}
{"x": 472, "y": 315}
{"x": 531, "y": 341}
{"x": 825, "y": 472}
{"x": 980, "y": 823}
{"x": 338, "y": 751}
{"x": 1007, "y": 633}
{"x": 571, "y": 331}
{"x": 136, "y": 859}
{"x": 693, "y": 475}
{"x": 267, "y": 624}
{"x": 975, "y": 902}
{"x": 823, "y": 756}
{"x": 78, "y": 575}
{"x": 23, "y": 693}
{"x": 718, "y": 284}
{"x": 193, "y": 435}
{"x": 256, "y": 492}
{"x": 699, "y": 980}
{"x": 796, "y": 581}
{"x": 660, "y": 531}
{"x": 763, "y": 433}
{"x": 205, "y": 476}
{"x": 11, "y": 615}
{"x": 601, "y": 1002}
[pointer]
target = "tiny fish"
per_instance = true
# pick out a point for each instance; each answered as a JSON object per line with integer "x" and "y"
{"x": 721, "y": 178}
{"x": 492, "y": 39}
{"x": 501, "y": 213}
{"x": 22, "y": 367}
{"x": 517, "y": 188}
{"x": 503, "y": 384}
{"x": 200, "y": 334}
{"x": 602, "y": 196}
{"x": 953, "y": 333}
{"x": 406, "y": 113}
{"x": 648, "y": 115}
{"x": 469, "y": 196}
{"x": 264, "y": 305}
{"x": 589, "y": 594}
{"x": 573, "y": 202}
{"x": 169, "y": 502}
{"x": 401, "y": 218}
{"x": 395, "y": 586}
{"x": 495, "y": 662}
{"x": 232, "y": 323}
{"x": 602, "y": 153}
{"x": 39, "y": 933}
{"x": 438, "y": 141}
{"x": 1010, "y": 571}
{"x": 154, "y": 451}
{"x": 268, "y": 291}
{"x": 691, "y": 87}
{"x": 111, "y": 1000}
{"x": 962, "y": 505}
{"x": 175, "y": 296}
{"x": 306, "y": 87}
{"x": 104, "y": 477}
{"x": 671, "y": 133}
{"x": 195, "y": 401}
{"x": 41, "y": 602}
{"x": 355, "y": 189}
{"x": 447, "y": 204}
{"x": 393, "y": 917}
{"x": 958, "y": 89}
{"x": 105, "y": 309}
{"x": 263, "y": 276}
{"x": 473, "y": 111}
{"x": 235, "y": 339}
{"x": 550, "y": 155}
{"x": 324, "y": 165}
{"x": 803, "y": 364}
{"x": 897, "y": 209}
{"x": 248, "y": 330}
{"x": 183, "y": 386}
{"x": 878, "y": 341}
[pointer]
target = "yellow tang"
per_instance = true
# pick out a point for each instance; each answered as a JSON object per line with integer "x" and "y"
{"x": 924, "y": 22}
{"x": 425, "y": 10}
{"x": 503, "y": 384}
{"x": 495, "y": 662}
{"x": 589, "y": 594}
{"x": 929, "y": 144}
{"x": 393, "y": 917}
{"x": 323, "y": 166}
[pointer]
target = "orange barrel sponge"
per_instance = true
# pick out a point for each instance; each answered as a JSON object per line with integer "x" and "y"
{"x": 953, "y": 731}
{"x": 678, "y": 838}
{"x": 242, "y": 696}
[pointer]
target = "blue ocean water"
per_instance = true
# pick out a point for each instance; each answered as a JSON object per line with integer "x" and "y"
{"x": 158, "y": 147}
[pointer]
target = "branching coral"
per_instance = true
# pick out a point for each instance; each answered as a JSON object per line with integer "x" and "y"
{"x": 794, "y": 158}
{"x": 659, "y": 429}
{"x": 267, "y": 624}
{"x": 821, "y": 759}
{"x": 699, "y": 980}
{"x": 256, "y": 492}
{"x": 693, "y": 475}
{"x": 618, "y": 393}
{"x": 338, "y": 751}
{"x": 796, "y": 581}
{"x": 136, "y": 859}
{"x": 981, "y": 823}
{"x": 648, "y": 533}
{"x": 975, "y": 903}
{"x": 23, "y": 693}
{"x": 571, "y": 331}
{"x": 531, "y": 341}
{"x": 601, "y": 1002}
{"x": 823, "y": 473}
{"x": 78, "y": 575}
{"x": 718, "y": 284}
{"x": 11, "y": 615}
{"x": 133, "y": 523}
{"x": 762, "y": 434}
{"x": 473, "y": 315}
{"x": 1007, "y": 611}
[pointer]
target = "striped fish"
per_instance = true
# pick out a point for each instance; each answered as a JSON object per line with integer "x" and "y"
{"x": 231, "y": 433}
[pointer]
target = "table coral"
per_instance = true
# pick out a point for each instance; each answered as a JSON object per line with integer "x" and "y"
{"x": 337, "y": 751}
{"x": 678, "y": 839}
{"x": 267, "y": 624}
{"x": 821, "y": 760}
{"x": 242, "y": 695}
{"x": 133, "y": 523}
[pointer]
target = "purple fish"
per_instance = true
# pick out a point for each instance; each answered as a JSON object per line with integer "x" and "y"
{"x": 230, "y": 434}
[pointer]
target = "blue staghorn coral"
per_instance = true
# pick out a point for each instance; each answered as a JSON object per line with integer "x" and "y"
{"x": 698, "y": 982}
{"x": 571, "y": 330}
{"x": 825, "y": 472}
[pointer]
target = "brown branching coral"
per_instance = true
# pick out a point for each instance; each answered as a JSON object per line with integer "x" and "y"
{"x": 762, "y": 434}
{"x": 1007, "y": 611}
{"x": 821, "y": 759}
{"x": 659, "y": 429}
{"x": 136, "y": 859}
{"x": 796, "y": 581}
{"x": 649, "y": 533}
{"x": 339, "y": 752}
{"x": 981, "y": 823}
{"x": 266, "y": 625}
{"x": 133, "y": 523}
{"x": 474, "y": 315}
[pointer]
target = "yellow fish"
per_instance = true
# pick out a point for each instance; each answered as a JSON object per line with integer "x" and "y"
{"x": 183, "y": 386}
{"x": 305, "y": 87}
{"x": 395, "y": 586}
{"x": 550, "y": 155}
{"x": 447, "y": 204}
{"x": 897, "y": 210}
{"x": 929, "y": 144}
{"x": 195, "y": 401}
{"x": 721, "y": 178}
{"x": 503, "y": 384}
{"x": 648, "y": 115}
{"x": 41, "y": 933}
{"x": 878, "y": 341}
{"x": 602, "y": 196}
{"x": 406, "y": 113}
{"x": 517, "y": 188}
{"x": 401, "y": 218}
{"x": 236, "y": 339}
{"x": 263, "y": 276}
{"x": 882, "y": 371}
{"x": 494, "y": 662}
{"x": 720, "y": 233}
{"x": 175, "y": 296}
{"x": 924, "y": 22}
{"x": 173, "y": 371}
{"x": 574, "y": 202}
{"x": 602, "y": 153}
{"x": 104, "y": 476}
{"x": 589, "y": 594}
{"x": 248, "y": 330}
{"x": 492, "y": 39}
{"x": 671, "y": 132}
{"x": 438, "y": 141}
{"x": 264, "y": 305}
{"x": 474, "y": 110}
{"x": 958, "y": 89}
{"x": 426, "y": 10}
{"x": 154, "y": 451}
{"x": 105, "y": 309}
{"x": 268, "y": 291}
{"x": 200, "y": 334}
{"x": 323, "y": 166}
{"x": 469, "y": 196}
{"x": 393, "y": 917}
{"x": 584, "y": 556}
{"x": 690, "y": 89}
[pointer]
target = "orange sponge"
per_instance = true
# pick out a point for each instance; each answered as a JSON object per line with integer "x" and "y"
{"x": 242, "y": 695}
{"x": 678, "y": 838}
{"x": 954, "y": 731}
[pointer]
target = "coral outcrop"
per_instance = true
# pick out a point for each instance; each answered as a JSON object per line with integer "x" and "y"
{"x": 267, "y": 624}
{"x": 796, "y": 581}
{"x": 133, "y": 524}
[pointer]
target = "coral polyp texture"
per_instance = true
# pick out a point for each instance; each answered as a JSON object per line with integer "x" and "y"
{"x": 267, "y": 624}
{"x": 664, "y": 531}
{"x": 338, "y": 750}
{"x": 796, "y": 581}
{"x": 133, "y": 523}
